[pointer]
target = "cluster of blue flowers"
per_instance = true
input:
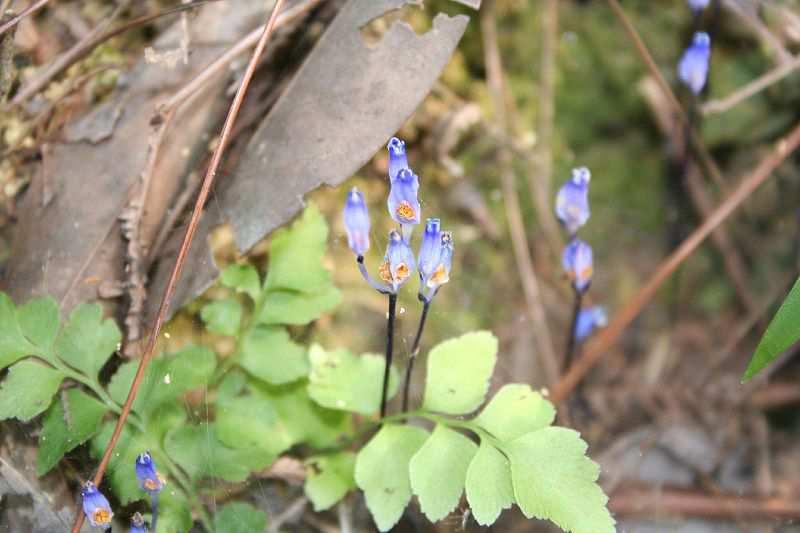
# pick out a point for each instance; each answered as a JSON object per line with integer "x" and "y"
{"x": 572, "y": 210}
{"x": 436, "y": 250}
{"x": 98, "y": 511}
{"x": 693, "y": 65}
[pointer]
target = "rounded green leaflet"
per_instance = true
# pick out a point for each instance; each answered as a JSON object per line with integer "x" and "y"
{"x": 458, "y": 373}
{"x": 488, "y": 484}
{"x": 382, "y": 471}
{"x": 438, "y": 471}
{"x": 553, "y": 479}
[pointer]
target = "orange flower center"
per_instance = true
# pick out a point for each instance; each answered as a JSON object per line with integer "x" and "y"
{"x": 102, "y": 516}
{"x": 384, "y": 272}
{"x": 405, "y": 211}
{"x": 586, "y": 273}
{"x": 402, "y": 272}
{"x": 438, "y": 277}
{"x": 151, "y": 484}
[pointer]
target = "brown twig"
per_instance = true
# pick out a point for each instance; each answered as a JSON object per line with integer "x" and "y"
{"x": 749, "y": 89}
{"x": 182, "y": 253}
{"x": 650, "y": 501}
{"x": 540, "y": 175}
{"x": 596, "y": 349}
{"x": 85, "y": 47}
{"x": 31, "y": 9}
{"x": 705, "y": 158}
{"x": 516, "y": 225}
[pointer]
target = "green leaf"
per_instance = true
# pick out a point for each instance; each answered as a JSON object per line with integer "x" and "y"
{"x": 28, "y": 390}
{"x": 87, "y": 341}
{"x": 296, "y": 253}
{"x": 174, "y": 514}
{"x": 200, "y": 453}
{"x": 239, "y": 517}
{"x": 67, "y": 425}
{"x": 782, "y": 332}
{"x": 382, "y": 471}
{"x": 165, "y": 379}
{"x": 329, "y": 478}
{"x": 270, "y": 355}
{"x": 438, "y": 471}
{"x": 13, "y": 344}
{"x": 242, "y": 278}
{"x": 458, "y": 373}
{"x": 488, "y": 484}
{"x": 298, "y": 308}
{"x": 222, "y": 316}
{"x": 341, "y": 380}
{"x": 303, "y": 419}
{"x": 553, "y": 479}
{"x": 251, "y": 422}
{"x": 514, "y": 411}
{"x": 38, "y": 321}
{"x": 232, "y": 384}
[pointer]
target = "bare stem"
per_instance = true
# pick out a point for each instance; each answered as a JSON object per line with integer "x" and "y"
{"x": 571, "y": 344}
{"x": 415, "y": 350}
{"x": 389, "y": 351}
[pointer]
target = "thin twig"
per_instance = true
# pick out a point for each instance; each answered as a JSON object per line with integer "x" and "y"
{"x": 516, "y": 225}
{"x": 389, "y": 351}
{"x": 31, "y": 9}
{"x": 609, "y": 336}
{"x": 187, "y": 240}
{"x": 426, "y": 304}
{"x": 541, "y": 173}
{"x": 86, "y": 46}
{"x": 704, "y": 156}
{"x": 749, "y": 89}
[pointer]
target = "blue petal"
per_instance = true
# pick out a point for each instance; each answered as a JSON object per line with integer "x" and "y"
{"x": 441, "y": 273}
{"x": 698, "y": 5}
{"x": 693, "y": 66}
{"x": 137, "y": 524}
{"x": 356, "y": 222}
{"x": 572, "y": 200}
{"x": 403, "y": 204}
{"x": 96, "y": 506}
{"x": 147, "y": 474}
{"x": 588, "y": 320}
{"x": 577, "y": 262}
{"x": 398, "y": 263}
{"x": 397, "y": 157}
{"x": 430, "y": 249}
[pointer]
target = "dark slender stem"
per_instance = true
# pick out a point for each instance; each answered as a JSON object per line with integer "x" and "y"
{"x": 415, "y": 351}
{"x": 571, "y": 343}
{"x": 153, "y": 512}
{"x": 389, "y": 350}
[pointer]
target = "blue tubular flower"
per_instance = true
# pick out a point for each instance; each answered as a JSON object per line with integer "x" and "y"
{"x": 397, "y": 157}
{"x": 441, "y": 274}
{"x": 698, "y": 5}
{"x": 149, "y": 478}
{"x": 430, "y": 249}
{"x": 693, "y": 66}
{"x": 572, "y": 200}
{"x": 356, "y": 221}
{"x": 588, "y": 320}
{"x": 137, "y": 524}
{"x": 577, "y": 262}
{"x": 403, "y": 203}
{"x": 96, "y": 506}
{"x": 398, "y": 263}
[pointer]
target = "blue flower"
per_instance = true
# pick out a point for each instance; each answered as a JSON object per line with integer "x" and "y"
{"x": 693, "y": 66}
{"x": 137, "y": 524}
{"x": 577, "y": 262}
{"x": 149, "y": 478}
{"x": 397, "y": 157}
{"x": 572, "y": 200}
{"x": 398, "y": 263}
{"x": 698, "y": 5}
{"x": 356, "y": 222}
{"x": 435, "y": 255}
{"x": 96, "y": 506}
{"x": 403, "y": 203}
{"x": 589, "y": 319}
